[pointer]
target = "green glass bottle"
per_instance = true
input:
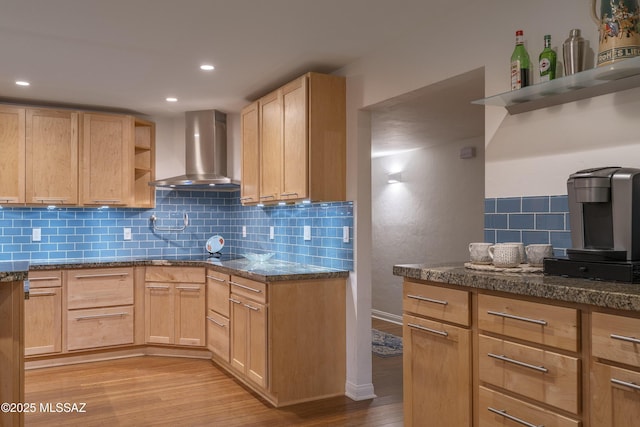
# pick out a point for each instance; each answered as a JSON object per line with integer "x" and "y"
{"x": 547, "y": 61}
{"x": 520, "y": 64}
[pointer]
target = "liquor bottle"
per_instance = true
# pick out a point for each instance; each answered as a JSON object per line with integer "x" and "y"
{"x": 547, "y": 61}
{"x": 520, "y": 64}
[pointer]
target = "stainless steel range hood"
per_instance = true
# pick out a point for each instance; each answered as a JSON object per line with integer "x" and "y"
{"x": 205, "y": 155}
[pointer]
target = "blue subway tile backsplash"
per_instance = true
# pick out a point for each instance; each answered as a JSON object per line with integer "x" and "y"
{"x": 89, "y": 233}
{"x": 530, "y": 220}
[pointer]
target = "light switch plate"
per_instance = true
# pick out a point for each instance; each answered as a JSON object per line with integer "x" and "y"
{"x": 127, "y": 234}
{"x": 307, "y": 232}
{"x": 345, "y": 234}
{"x": 272, "y": 233}
{"x": 244, "y": 231}
{"x": 36, "y": 234}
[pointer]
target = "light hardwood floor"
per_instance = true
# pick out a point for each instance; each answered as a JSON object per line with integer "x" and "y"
{"x": 144, "y": 391}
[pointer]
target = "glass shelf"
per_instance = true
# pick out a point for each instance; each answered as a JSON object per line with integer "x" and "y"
{"x": 619, "y": 76}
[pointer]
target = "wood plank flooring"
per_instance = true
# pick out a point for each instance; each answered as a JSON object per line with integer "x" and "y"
{"x": 155, "y": 391}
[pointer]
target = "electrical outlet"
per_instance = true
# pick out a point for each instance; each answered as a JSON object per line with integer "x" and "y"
{"x": 272, "y": 232}
{"x": 307, "y": 232}
{"x": 244, "y": 231}
{"x": 36, "y": 234}
{"x": 127, "y": 234}
{"x": 345, "y": 234}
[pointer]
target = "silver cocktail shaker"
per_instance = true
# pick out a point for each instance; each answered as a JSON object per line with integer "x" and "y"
{"x": 573, "y": 52}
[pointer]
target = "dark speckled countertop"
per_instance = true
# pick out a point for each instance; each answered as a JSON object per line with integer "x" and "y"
{"x": 269, "y": 271}
{"x": 621, "y": 296}
{"x": 12, "y": 271}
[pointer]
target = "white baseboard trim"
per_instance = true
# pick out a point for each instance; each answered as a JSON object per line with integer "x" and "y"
{"x": 387, "y": 317}
{"x": 359, "y": 391}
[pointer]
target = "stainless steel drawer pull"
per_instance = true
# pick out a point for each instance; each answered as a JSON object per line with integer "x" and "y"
{"x": 157, "y": 287}
{"x": 288, "y": 194}
{"x": 100, "y": 316}
{"x": 433, "y": 331}
{"x": 267, "y": 197}
{"x": 242, "y": 199}
{"x": 626, "y": 384}
{"x": 211, "y": 319}
{"x": 235, "y": 301}
{"x": 96, "y": 276}
{"x": 250, "y": 307}
{"x": 106, "y": 200}
{"x": 188, "y": 288}
{"x": 627, "y": 339}
{"x": 51, "y": 199}
{"x": 37, "y": 279}
{"x": 435, "y": 301}
{"x": 511, "y": 316}
{"x": 517, "y": 362}
{"x": 503, "y": 412}
{"x": 216, "y": 279}
{"x": 41, "y": 294}
{"x": 258, "y": 291}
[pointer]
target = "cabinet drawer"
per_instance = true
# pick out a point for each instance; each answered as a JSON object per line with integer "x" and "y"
{"x": 99, "y": 327}
{"x": 45, "y": 279}
{"x": 548, "y": 377}
{"x": 218, "y": 292}
{"x": 498, "y": 410}
{"x": 218, "y": 335}
{"x": 174, "y": 274}
{"x": 99, "y": 288}
{"x": 257, "y": 291}
{"x": 615, "y": 396}
{"x": 616, "y": 338}
{"x": 539, "y": 323}
{"x": 433, "y": 301}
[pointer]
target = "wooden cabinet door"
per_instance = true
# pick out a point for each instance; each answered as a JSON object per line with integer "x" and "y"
{"x": 159, "y": 313}
{"x": 615, "y": 396}
{"x": 189, "y": 312}
{"x": 43, "y": 321}
{"x": 239, "y": 326}
{"x": 218, "y": 335}
{"x": 51, "y": 157}
{"x": 257, "y": 348}
{"x": 295, "y": 140}
{"x": 436, "y": 374}
{"x": 12, "y": 160}
{"x": 250, "y": 183}
{"x": 271, "y": 147}
{"x": 107, "y": 159}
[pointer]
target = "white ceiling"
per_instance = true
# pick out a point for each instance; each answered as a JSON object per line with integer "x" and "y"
{"x": 132, "y": 54}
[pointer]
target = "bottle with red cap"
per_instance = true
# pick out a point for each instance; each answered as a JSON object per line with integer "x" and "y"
{"x": 520, "y": 64}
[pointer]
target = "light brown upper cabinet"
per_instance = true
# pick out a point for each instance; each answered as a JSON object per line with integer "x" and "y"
{"x": 107, "y": 159}
{"x": 302, "y": 142}
{"x": 250, "y": 154}
{"x": 12, "y": 146}
{"x": 51, "y": 157}
{"x": 145, "y": 137}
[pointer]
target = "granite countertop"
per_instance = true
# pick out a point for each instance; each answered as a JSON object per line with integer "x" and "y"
{"x": 614, "y": 295}
{"x": 269, "y": 271}
{"x": 12, "y": 271}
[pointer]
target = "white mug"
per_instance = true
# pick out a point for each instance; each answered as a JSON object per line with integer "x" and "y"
{"x": 504, "y": 255}
{"x": 537, "y": 253}
{"x": 520, "y": 246}
{"x": 479, "y": 253}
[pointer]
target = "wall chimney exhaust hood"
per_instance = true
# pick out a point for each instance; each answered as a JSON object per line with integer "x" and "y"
{"x": 205, "y": 154}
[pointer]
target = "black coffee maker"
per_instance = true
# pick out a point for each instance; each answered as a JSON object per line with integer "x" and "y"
{"x": 604, "y": 211}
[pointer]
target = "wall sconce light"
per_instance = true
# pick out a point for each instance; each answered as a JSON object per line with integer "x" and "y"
{"x": 393, "y": 178}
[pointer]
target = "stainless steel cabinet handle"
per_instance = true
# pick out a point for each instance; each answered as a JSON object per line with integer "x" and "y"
{"x": 95, "y": 276}
{"x": 258, "y": 291}
{"x": 288, "y": 194}
{"x": 517, "y": 362}
{"x": 503, "y": 412}
{"x": 235, "y": 301}
{"x": 511, "y": 316}
{"x": 627, "y": 339}
{"x": 41, "y": 294}
{"x": 100, "y": 316}
{"x": 268, "y": 197}
{"x": 157, "y": 287}
{"x": 435, "y": 301}
{"x": 216, "y": 279}
{"x": 51, "y": 199}
{"x": 188, "y": 288}
{"x": 106, "y": 200}
{"x": 37, "y": 279}
{"x": 433, "y": 331}
{"x": 211, "y": 319}
{"x": 242, "y": 199}
{"x": 250, "y": 307}
{"x": 626, "y": 384}
{"x": 8, "y": 200}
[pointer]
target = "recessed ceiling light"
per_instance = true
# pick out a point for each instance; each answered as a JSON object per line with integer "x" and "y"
{"x": 22, "y": 83}
{"x": 172, "y": 99}
{"x": 207, "y": 67}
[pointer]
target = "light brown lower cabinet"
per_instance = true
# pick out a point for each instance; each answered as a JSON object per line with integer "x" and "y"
{"x": 249, "y": 339}
{"x": 218, "y": 329}
{"x": 43, "y": 314}
{"x": 99, "y": 327}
